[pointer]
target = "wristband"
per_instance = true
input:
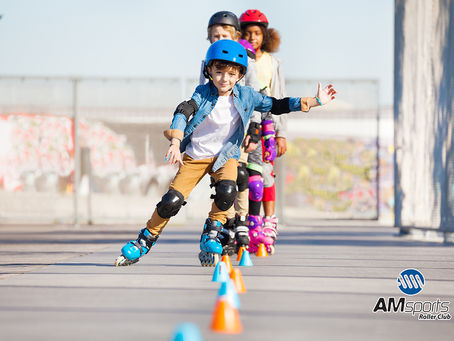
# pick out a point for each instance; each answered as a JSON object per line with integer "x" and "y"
{"x": 174, "y": 144}
{"x": 318, "y": 100}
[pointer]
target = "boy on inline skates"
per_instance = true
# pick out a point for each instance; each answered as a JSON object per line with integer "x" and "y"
{"x": 211, "y": 140}
{"x": 235, "y": 232}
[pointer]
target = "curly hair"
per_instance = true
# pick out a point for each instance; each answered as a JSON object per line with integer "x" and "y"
{"x": 271, "y": 38}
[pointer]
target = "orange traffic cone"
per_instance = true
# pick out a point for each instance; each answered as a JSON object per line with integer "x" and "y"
{"x": 237, "y": 279}
{"x": 226, "y": 318}
{"x": 226, "y": 260}
{"x": 240, "y": 253}
{"x": 261, "y": 252}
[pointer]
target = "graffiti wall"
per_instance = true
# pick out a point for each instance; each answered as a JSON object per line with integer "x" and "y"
{"x": 337, "y": 172}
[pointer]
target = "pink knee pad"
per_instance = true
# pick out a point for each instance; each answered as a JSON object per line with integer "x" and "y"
{"x": 255, "y": 188}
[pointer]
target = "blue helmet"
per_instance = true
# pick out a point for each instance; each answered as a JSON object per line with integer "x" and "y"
{"x": 229, "y": 51}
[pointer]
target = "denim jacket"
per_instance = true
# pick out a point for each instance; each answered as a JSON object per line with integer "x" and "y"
{"x": 245, "y": 100}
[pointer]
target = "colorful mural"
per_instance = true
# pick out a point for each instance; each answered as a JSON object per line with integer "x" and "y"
{"x": 337, "y": 176}
{"x": 43, "y": 144}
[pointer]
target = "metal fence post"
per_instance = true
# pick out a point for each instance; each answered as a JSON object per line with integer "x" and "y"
{"x": 85, "y": 160}
{"x": 76, "y": 152}
{"x": 378, "y": 153}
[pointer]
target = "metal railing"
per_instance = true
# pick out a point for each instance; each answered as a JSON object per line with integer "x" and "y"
{"x": 79, "y": 150}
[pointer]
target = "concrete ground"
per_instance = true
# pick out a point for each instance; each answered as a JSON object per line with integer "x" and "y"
{"x": 59, "y": 283}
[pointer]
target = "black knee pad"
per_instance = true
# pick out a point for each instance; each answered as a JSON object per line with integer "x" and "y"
{"x": 225, "y": 194}
{"x": 170, "y": 204}
{"x": 242, "y": 179}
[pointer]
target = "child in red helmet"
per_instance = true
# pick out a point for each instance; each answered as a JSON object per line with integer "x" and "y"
{"x": 265, "y": 40}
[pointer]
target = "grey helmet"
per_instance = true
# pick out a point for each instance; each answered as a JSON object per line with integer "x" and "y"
{"x": 224, "y": 18}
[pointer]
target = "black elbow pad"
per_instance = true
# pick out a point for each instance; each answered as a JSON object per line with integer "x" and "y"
{"x": 280, "y": 106}
{"x": 187, "y": 108}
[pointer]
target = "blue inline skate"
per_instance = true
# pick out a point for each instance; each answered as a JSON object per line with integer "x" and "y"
{"x": 133, "y": 250}
{"x": 210, "y": 245}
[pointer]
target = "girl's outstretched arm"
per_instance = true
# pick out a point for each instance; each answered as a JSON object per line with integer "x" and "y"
{"x": 326, "y": 94}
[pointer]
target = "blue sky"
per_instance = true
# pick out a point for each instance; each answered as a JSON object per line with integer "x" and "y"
{"x": 326, "y": 39}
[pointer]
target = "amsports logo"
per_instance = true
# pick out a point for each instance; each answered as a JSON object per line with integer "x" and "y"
{"x": 410, "y": 281}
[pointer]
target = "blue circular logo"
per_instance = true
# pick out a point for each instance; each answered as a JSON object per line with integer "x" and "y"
{"x": 410, "y": 281}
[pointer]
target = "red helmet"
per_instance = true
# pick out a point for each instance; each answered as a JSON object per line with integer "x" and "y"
{"x": 253, "y": 16}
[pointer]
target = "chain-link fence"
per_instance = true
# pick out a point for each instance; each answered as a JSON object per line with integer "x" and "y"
{"x": 92, "y": 150}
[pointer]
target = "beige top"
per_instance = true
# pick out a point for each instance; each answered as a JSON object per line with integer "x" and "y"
{"x": 265, "y": 72}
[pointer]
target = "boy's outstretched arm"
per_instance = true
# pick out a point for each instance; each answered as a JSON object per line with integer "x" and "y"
{"x": 180, "y": 119}
{"x": 173, "y": 154}
{"x": 289, "y": 104}
{"x": 181, "y": 116}
{"x": 175, "y": 136}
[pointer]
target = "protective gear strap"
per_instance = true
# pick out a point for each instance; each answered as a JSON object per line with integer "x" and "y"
{"x": 242, "y": 179}
{"x": 255, "y": 167}
{"x": 187, "y": 108}
{"x": 148, "y": 238}
{"x": 225, "y": 194}
{"x": 255, "y": 178}
{"x": 269, "y": 193}
{"x": 212, "y": 225}
{"x": 254, "y": 131}
{"x": 240, "y": 221}
{"x": 280, "y": 106}
{"x": 267, "y": 137}
{"x": 170, "y": 204}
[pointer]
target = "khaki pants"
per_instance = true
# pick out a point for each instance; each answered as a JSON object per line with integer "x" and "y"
{"x": 188, "y": 176}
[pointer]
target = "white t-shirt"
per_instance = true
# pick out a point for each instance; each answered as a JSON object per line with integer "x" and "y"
{"x": 216, "y": 129}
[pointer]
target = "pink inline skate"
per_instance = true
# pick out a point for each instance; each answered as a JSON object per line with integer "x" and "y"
{"x": 270, "y": 233}
{"x": 256, "y": 236}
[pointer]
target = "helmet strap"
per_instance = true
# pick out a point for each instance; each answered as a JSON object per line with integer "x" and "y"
{"x": 206, "y": 74}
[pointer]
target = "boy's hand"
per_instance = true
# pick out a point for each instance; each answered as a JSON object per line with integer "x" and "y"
{"x": 173, "y": 154}
{"x": 249, "y": 146}
{"x": 327, "y": 94}
{"x": 281, "y": 146}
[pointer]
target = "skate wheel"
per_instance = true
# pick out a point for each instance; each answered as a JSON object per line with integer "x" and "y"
{"x": 123, "y": 261}
{"x": 215, "y": 259}
{"x": 208, "y": 259}
{"x": 271, "y": 249}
